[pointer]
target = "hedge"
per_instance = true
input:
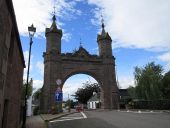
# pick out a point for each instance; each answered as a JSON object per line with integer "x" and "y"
{"x": 151, "y": 104}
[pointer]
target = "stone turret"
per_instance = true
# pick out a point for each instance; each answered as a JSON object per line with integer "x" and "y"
{"x": 105, "y": 43}
{"x": 111, "y": 99}
{"x": 52, "y": 66}
{"x": 53, "y": 37}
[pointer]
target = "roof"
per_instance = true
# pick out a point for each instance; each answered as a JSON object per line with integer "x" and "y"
{"x": 82, "y": 52}
{"x": 53, "y": 28}
{"x": 13, "y": 18}
{"x": 95, "y": 97}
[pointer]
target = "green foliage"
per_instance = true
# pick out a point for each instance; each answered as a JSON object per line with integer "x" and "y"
{"x": 152, "y": 104}
{"x": 37, "y": 94}
{"x": 166, "y": 85}
{"x": 152, "y": 89}
{"x": 85, "y": 93}
{"x": 70, "y": 103}
{"x": 132, "y": 92}
{"x": 148, "y": 81}
{"x": 30, "y": 88}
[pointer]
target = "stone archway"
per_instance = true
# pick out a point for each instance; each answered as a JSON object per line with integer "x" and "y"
{"x": 70, "y": 74}
{"x": 59, "y": 65}
{"x": 78, "y": 80}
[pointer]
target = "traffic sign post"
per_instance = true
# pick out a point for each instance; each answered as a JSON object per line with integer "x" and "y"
{"x": 58, "y": 98}
{"x": 58, "y": 95}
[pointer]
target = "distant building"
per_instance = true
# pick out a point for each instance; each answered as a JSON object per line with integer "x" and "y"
{"x": 29, "y": 106}
{"x": 11, "y": 68}
{"x": 94, "y": 101}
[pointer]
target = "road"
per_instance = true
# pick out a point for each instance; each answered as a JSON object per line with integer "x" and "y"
{"x": 113, "y": 119}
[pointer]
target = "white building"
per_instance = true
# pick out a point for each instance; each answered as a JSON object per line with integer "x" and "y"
{"x": 94, "y": 102}
{"x": 29, "y": 102}
{"x": 29, "y": 106}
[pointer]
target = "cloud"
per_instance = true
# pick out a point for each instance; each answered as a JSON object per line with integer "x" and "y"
{"x": 26, "y": 56}
{"x": 165, "y": 58}
{"x": 67, "y": 37}
{"x": 125, "y": 81}
{"x": 70, "y": 89}
{"x": 137, "y": 23}
{"x": 96, "y": 20}
{"x": 40, "y": 67}
{"x": 39, "y": 12}
{"x": 37, "y": 84}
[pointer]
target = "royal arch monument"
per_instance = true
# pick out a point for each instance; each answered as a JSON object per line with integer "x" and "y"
{"x": 58, "y": 67}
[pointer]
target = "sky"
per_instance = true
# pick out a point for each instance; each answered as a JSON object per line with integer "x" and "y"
{"x": 140, "y": 32}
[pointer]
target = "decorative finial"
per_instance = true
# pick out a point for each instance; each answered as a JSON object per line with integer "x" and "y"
{"x": 53, "y": 26}
{"x": 102, "y": 21}
{"x": 80, "y": 43}
{"x": 54, "y": 10}
{"x": 54, "y": 17}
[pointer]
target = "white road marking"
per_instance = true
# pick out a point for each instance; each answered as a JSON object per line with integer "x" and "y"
{"x": 76, "y": 118}
{"x": 66, "y": 118}
{"x": 83, "y": 115}
{"x": 140, "y": 111}
{"x": 70, "y": 117}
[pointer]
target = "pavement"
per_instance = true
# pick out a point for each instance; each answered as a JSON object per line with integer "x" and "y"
{"x": 40, "y": 121}
{"x": 35, "y": 122}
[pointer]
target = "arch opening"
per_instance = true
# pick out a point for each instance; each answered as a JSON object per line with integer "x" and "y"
{"x": 78, "y": 80}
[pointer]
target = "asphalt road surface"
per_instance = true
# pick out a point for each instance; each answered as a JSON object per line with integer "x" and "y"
{"x": 113, "y": 119}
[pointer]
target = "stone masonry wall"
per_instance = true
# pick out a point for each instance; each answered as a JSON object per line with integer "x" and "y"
{"x": 11, "y": 67}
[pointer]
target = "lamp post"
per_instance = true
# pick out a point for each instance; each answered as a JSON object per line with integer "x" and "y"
{"x": 31, "y": 31}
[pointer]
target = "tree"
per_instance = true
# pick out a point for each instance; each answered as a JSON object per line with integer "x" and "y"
{"x": 30, "y": 88}
{"x": 132, "y": 92}
{"x": 85, "y": 93}
{"x": 36, "y": 101}
{"x": 37, "y": 94}
{"x": 70, "y": 103}
{"x": 148, "y": 81}
{"x": 166, "y": 85}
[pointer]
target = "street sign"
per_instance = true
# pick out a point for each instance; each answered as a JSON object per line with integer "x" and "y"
{"x": 58, "y": 95}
